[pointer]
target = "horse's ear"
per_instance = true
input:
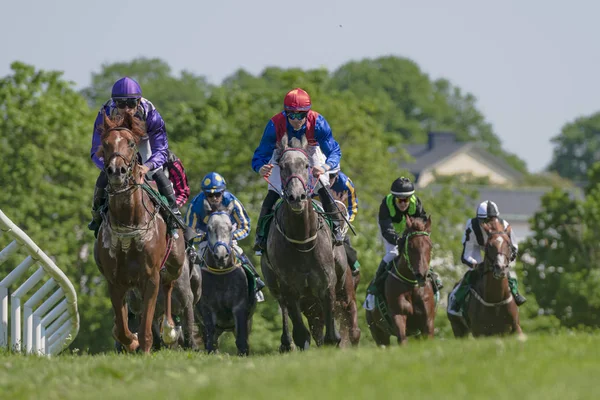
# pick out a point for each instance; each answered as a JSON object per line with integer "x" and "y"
{"x": 304, "y": 142}
{"x": 108, "y": 124}
{"x": 283, "y": 143}
{"x": 409, "y": 221}
{"x": 207, "y": 207}
{"x": 428, "y": 224}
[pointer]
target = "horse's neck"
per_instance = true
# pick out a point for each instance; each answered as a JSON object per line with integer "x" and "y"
{"x": 301, "y": 225}
{"x": 494, "y": 290}
{"x": 130, "y": 208}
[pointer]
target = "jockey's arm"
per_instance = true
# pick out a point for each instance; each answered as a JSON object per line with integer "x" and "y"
{"x": 471, "y": 254}
{"x": 96, "y": 139}
{"x": 265, "y": 149}
{"x": 194, "y": 218}
{"x": 242, "y": 221}
{"x": 385, "y": 224}
{"x": 513, "y": 240}
{"x": 157, "y": 135}
{"x": 329, "y": 146}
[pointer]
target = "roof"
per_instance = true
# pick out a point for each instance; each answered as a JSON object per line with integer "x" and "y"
{"x": 514, "y": 203}
{"x": 443, "y": 145}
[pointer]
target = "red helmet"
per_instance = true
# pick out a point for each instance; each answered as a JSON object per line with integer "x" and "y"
{"x": 296, "y": 100}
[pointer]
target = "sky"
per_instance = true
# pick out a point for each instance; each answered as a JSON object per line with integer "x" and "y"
{"x": 532, "y": 65}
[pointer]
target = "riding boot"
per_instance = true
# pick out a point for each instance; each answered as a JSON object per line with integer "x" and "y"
{"x": 167, "y": 190}
{"x": 514, "y": 288}
{"x": 437, "y": 281}
{"x": 460, "y": 293}
{"x": 98, "y": 203}
{"x": 265, "y": 209}
{"x": 351, "y": 256}
{"x": 259, "y": 282}
{"x": 334, "y": 213}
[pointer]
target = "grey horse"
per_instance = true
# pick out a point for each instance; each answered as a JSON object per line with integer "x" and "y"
{"x": 228, "y": 301}
{"x": 301, "y": 266}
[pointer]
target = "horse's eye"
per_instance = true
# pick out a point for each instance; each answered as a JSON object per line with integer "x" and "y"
{"x": 131, "y": 145}
{"x": 306, "y": 166}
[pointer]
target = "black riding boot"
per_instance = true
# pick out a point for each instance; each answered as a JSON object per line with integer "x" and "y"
{"x": 334, "y": 213}
{"x": 266, "y": 208}
{"x": 166, "y": 189}
{"x": 98, "y": 202}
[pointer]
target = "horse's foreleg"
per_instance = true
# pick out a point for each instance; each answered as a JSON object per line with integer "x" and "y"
{"x": 150, "y": 293}
{"x": 240, "y": 315}
{"x": 169, "y": 330}
{"x": 209, "y": 319}
{"x": 400, "y": 323}
{"x": 332, "y": 336}
{"x": 286, "y": 338}
{"x": 121, "y": 331}
{"x": 188, "y": 326}
{"x": 299, "y": 331}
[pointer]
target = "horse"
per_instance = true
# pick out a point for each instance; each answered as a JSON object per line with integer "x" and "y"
{"x": 408, "y": 293}
{"x": 226, "y": 303}
{"x": 301, "y": 267}
{"x": 491, "y": 309}
{"x": 133, "y": 248}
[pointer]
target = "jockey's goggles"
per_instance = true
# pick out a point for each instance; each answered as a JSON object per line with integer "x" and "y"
{"x": 215, "y": 194}
{"x": 122, "y": 103}
{"x": 401, "y": 199}
{"x": 296, "y": 115}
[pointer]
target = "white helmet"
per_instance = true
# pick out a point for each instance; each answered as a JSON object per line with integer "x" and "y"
{"x": 487, "y": 209}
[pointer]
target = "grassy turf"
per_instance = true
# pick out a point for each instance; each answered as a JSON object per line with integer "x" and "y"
{"x": 543, "y": 367}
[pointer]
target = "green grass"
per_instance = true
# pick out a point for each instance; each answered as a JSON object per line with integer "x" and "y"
{"x": 543, "y": 367}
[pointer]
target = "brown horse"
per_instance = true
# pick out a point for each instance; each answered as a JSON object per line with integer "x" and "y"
{"x": 133, "y": 249}
{"x": 302, "y": 268}
{"x": 408, "y": 292}
{"x": 491, "y": 309}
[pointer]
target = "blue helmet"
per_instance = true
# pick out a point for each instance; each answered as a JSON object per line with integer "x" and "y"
{"x": 126, "y": 88}
{"x": 213, "y": 183}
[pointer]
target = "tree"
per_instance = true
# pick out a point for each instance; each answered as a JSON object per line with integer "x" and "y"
{"x": 577, "y": 147}
{"x": 155, "y": 77}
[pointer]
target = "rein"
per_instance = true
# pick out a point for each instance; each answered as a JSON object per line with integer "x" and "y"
{"x": 396, "y": 271}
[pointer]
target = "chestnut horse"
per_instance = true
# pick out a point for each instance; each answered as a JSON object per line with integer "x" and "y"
{"x": 408, "y": 292}
{"x": 134, "y": 248}
{"x": 491, "y": 309}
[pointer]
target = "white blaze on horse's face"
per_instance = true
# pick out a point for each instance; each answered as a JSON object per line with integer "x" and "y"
{"x": 294, "y": 175}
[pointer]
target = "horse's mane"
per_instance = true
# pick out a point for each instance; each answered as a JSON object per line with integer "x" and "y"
{"x": 418, "y": 224}
{"x": 135, "y": 126}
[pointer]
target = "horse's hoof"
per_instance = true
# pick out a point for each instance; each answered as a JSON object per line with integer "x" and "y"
{"x": 285, "y": 348}
{"x": 170, "y": 334}
{"x": 134, "y": 345}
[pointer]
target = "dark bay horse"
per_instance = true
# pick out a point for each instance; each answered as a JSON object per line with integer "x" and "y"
{"x": 408, "y": 291}
{"x": 491, "y": 309}
{"x": 302, "y": 268}
{"x": 226, "y": 303}
{"x": 133, "y": 249}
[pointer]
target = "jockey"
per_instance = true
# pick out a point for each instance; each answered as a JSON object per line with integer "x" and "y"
{"x": 342, "y": 189}
{"x": 126, "y": 97}
{"x": 474, "y": 239}
{"x": 178, "y": 178}
{"x": 393, "y": 210}
{"x": 324, "y": 152}
{"x": 213, "y": 190}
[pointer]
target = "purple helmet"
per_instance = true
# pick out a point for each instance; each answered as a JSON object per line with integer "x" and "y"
{"x": 126, "y": 88}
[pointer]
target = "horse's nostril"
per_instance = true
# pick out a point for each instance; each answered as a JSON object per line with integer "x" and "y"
{"x": 110, "y": 170}
{"x": 123, "y": 170}
{"x": 291, "y": 198}
{"x": 303, "y": 197}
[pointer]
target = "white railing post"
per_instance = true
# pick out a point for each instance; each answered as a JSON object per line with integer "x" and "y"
{"x": 49, "y": 329}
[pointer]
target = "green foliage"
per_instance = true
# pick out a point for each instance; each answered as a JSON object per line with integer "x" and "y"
{"x": 561, "y": 259}
{"x": 576, "y": 148}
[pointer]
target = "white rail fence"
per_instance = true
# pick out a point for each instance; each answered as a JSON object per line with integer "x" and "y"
{"x": 50, "y": 319}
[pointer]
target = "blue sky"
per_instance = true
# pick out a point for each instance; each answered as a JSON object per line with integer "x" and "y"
{"x": 533, "y": 67}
